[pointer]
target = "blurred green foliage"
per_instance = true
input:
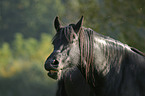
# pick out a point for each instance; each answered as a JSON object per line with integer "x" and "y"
{"x": 29, "y": 17}
{"x": 21, "y": 67}
{"x": 26, "y": 30}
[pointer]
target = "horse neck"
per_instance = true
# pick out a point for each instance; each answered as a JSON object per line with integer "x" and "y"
{"x": 108, "y": 54}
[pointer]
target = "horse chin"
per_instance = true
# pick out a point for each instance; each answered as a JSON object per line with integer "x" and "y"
{"x": 53, "y": 74}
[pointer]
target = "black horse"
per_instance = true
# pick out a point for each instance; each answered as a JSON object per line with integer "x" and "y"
{"x": 110, "y": 67}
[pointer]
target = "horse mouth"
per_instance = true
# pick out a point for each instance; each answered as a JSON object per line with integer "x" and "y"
{"x": 53, "y": 74}
{"x": 52, "y": 71}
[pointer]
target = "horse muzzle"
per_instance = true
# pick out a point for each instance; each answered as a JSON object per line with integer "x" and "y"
{"x": 51, "y": 66}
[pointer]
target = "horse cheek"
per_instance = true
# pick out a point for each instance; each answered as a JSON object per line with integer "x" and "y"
{"x": 74, "y": 55}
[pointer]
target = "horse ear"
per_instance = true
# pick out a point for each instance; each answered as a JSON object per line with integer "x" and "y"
{"x": 57, "y": 24}
{"x": 79, "y": 24}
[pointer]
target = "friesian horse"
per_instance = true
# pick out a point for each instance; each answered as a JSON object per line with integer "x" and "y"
{"x": 109, "y": 67}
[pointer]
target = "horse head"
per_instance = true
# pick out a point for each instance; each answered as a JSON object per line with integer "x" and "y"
{"x": 66, "y": 51}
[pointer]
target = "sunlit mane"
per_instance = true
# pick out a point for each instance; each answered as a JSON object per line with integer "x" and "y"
{"x": 112, "y": 50}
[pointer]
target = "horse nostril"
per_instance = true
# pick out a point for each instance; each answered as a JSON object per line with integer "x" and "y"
{"x": 55, "y": 62}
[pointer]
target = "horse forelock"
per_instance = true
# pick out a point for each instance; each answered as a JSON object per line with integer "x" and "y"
{"x": 65, "y": 35}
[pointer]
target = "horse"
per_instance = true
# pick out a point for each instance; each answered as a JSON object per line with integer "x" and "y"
{"x": 110, "y": 67}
